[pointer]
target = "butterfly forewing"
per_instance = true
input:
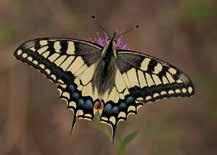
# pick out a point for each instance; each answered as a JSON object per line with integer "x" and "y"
{"x": 70, "y": 64}
{"x": 151, "y": 78}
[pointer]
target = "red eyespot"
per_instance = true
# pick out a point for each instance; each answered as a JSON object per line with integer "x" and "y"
{"x": 98, "y": 105}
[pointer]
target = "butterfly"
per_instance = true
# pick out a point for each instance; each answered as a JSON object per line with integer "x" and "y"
{"x": 93, "y": 78}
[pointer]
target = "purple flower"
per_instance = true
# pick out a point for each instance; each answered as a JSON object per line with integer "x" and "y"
{"x": 102, "y": 40}
{"x": 121, "y": 44}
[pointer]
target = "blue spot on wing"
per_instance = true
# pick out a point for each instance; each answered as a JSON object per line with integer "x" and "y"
{"x": 71, "y": 88}
{"x": 81, "y": 102}
{"x": 130, "y": 100}
{"x": 122, "y": 105}
{"x": 115, "y": 110}
{"x": 76, "y": 95}
{"x": 88, "y": 104}
{"x": 107, "y": 108}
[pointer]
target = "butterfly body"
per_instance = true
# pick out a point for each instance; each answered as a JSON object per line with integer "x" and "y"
{"x": 104, "y": 76}
{"x": 93, "y": 78}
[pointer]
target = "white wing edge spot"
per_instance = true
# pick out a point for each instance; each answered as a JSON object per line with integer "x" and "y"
{"x": 47, "y": 71}
{"x": 184, "y": 90}
{"x": 190, "y": 89}
{"x": 170, "y": 92}
{"x": 24, "y": 55}
{"x": 72, "y": 104}
{"x": 122, "y": 114}
{"x": 66, "y": 94}
{"x": 148, "y": 98}
{"x": 138, "y": 107}
{"x": 178, "y": 91}
{"x": 35, "y": 62}
{"x": 42, "y": 66}
{"x": 163, "y": 93}
{"x": 131, "y": 108}
{"x": 172, "y": 70}
{"x": 43, "y": 42}
{"x": 53, "y": 77}
{"x": 156, "y": 95}
{"x": 80, "y": 113}
{"x": 104, "y": 118}
{"x": 30, "y": 58}
{"x": 112, "y": 119}
{"x": 19, "y": 52}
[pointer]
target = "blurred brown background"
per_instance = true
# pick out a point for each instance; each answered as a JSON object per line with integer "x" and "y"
{"x": 34, "y": 121}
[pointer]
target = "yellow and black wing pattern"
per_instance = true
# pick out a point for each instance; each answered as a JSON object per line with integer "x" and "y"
{"x": 70, "y": 64}
{"x": 142, "y": 79}
{"x": 129, "y": 80}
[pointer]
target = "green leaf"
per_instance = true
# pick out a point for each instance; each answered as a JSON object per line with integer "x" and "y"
{"x": 123, "y": 144}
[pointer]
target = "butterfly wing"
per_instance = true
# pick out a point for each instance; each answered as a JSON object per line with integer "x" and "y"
{"x": 142, "y": 79}
{"x": 70, "y": 64}
{"x": 152, "y": 78}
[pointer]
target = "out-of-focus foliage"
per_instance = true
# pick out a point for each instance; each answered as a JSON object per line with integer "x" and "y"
{"x": 7, "y": 32}
{"x": 125, "y": 141}
{"x": 199, "y": 11}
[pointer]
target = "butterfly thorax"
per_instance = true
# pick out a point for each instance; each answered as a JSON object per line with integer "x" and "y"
{"x": 104, "y": 76}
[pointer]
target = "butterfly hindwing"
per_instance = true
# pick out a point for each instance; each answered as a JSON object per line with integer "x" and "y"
{"x": 142, "y": 79}
{"x": 69, "y": 63}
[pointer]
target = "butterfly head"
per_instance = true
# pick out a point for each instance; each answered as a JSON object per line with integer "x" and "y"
{"x": 110, "y": 46}
{"x": 113, "y": 41}
{"x": 114, "y": 36}
{"x": 116, "y": 39}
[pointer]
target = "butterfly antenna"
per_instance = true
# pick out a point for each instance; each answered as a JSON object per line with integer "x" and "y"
{"x": 100, "y": 26}
{"x": 129, "y": 30}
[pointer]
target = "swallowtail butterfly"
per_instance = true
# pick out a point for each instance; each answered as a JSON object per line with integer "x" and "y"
{"x": 112, "y": 81}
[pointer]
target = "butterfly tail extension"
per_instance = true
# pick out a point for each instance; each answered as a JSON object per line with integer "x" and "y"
{"x": 73, "y": 124}
{"x": 113, "y": 133}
